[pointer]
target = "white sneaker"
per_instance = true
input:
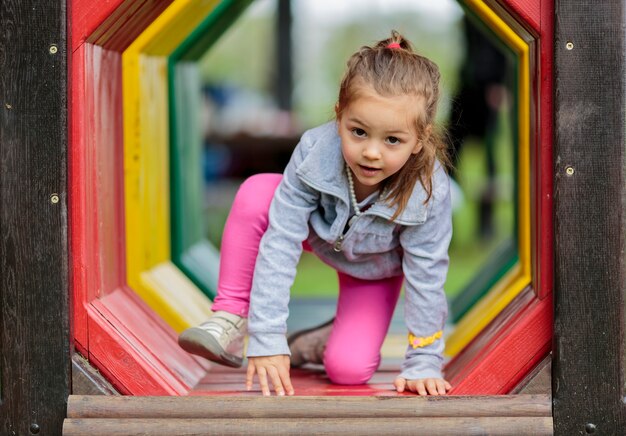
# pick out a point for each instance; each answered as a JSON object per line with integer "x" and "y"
{"x": 220, "y": 339}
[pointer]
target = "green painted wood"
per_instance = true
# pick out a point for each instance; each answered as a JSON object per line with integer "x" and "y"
{"x": 499, "y": 263}
{"x": 34, "y": 291}
{"x": 191, "y": 250}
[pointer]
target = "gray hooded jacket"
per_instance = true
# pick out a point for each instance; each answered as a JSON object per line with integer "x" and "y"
{"x": 312, "y": 203}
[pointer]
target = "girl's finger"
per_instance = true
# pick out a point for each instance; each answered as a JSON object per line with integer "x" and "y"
{"x": 419, "y": 386}
{"x": 262, "y": 373}
{"x": 250, "y": 374}
{"x": 448, "y": 385}
{"x": 275, "y": 378}
{"x": 400, "y": 384}
{"x": 441, "y": 387}
{"x": 431, "y": 386}
{"x": 286, "y": 380}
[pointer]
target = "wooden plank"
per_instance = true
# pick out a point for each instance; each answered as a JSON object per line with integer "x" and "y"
{"x": 528, "y": 11}
{"x": 85, "y": 17}
{"x": 543, "y": 238}
{"x": 539, "y": 381}
{"x": 328, "y": 426}
{"x": 147, "y": 362}
{"x": 506, "y": 354}
{"x": 590, "y": 196}
{"x": 98, "y": 258}
{"x": 34, "y": 298}
{"x": 520, "y": 276}
{"x": 146, "y": 163}
{"x": 191, "y": 251}
{"x": 86, "y": 380}
{"x": 127, "y": 22}
{"x": 91, "y": 406}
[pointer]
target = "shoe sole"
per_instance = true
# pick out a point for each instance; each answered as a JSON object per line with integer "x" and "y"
{"x": 294, "y": 336}
{"x": 203, "y": 345}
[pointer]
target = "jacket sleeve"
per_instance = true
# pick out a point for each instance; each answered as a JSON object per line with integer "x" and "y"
{"x": 425, "y": 266}
{"x": 279, "y": 253}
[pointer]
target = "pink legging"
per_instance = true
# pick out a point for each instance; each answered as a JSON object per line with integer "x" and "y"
{"x": 364, "y": 307}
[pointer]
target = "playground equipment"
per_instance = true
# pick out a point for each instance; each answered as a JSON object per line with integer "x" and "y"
{"x": 119, "y": 56}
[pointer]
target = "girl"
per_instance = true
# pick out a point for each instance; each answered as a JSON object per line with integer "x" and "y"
{"x": 368, "y": 194}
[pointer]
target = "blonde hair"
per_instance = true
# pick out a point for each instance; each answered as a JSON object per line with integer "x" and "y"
{"x": 393, "y": 71}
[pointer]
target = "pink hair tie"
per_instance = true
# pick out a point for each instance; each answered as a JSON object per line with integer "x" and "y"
{"x": 394, "y": 45}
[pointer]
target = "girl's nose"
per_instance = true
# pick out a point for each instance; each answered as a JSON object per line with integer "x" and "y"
{"x": 371, "y": 151}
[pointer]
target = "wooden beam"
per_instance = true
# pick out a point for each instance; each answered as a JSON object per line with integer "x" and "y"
{"x": 590, "y": 189}
{"x": 237, "y": 407}
{"x": 34, "y": 327}
{"x": 86, "y": 380}
{"x": 284, "y": 59}
{"x": 327, "y": 426}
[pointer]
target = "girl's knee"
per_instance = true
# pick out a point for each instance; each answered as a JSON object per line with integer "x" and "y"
{"x": 349, "y": 370}
{"x": 256, "y": 192}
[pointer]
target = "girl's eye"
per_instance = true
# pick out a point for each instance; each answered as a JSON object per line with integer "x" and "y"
{"x": 393, "y": 140}
{"x": 359, "y": 133}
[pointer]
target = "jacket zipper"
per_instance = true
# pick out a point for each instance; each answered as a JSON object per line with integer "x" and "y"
{"x": 339, "y": 242}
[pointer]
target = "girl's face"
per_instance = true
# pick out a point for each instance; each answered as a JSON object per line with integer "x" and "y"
{"x": 378, "y": 136}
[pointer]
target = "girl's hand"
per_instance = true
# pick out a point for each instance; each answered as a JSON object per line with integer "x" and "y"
{"x": 423, "y": 386}
{"x": 276, "y": 367}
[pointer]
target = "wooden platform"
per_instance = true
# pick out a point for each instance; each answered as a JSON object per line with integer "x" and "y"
{"x": 312, "y": 381}
{"x": 451, "y": 415}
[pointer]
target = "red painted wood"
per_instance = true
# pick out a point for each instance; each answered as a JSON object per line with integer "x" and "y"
{"x": 306, "y": 382}
{"x": 123, "y": 354}
{"x": 86, "y": 15}
{"x": 79, "y": 280}
{"x": 126, "y": 368}
{"x": 473, "y": 352}
{"x": 121, "y": 336}
{"x": 521, "y": 336}
{"x": 544, "y": 228}
{"x": 515, "y": 349}
{"x": 118, "y": 333}
{"x": 127, "y": 22}
{"x": 143, "y": 329}
{"x": 529, "y": 11}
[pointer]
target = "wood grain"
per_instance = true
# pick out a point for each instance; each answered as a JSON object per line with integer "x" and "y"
{"x": 590, "y": 196}
{"x": 34, "y": 325}
{"x": 236, "y": 407}
{"x": 303, "y": 426}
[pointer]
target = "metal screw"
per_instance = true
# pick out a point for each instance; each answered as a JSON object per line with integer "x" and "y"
{"x": 54, "y": 198}
{"x": 53, "y": 49}
{"x": 569, "y": 45}
{"x": 8, "y": 106}
{"x": 34, "y": 428}
{"x": 569, "y": 171}
{"x": 590, "y": 428}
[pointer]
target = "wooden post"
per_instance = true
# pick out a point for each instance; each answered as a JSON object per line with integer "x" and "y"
{"x": 34, "y": 328}
{"x": 284, "y": 75}
{"x": 590, "y": 190}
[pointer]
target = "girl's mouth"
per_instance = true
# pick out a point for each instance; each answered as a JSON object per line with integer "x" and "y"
{"x": 369, "y": 171}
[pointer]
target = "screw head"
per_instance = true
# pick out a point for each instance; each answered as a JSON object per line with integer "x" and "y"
{"x": 590, "y": 428}
{"x": 569, "y": 171}
{"x": 54, "y": 198}
{"x": 53, "y": 49}
{"x": 569, "y": 45}
{"x": 34, "y": 428}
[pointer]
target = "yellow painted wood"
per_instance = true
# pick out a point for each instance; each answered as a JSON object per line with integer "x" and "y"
{"x": 512, "y": 283}
{"x": 146, "y": 168}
